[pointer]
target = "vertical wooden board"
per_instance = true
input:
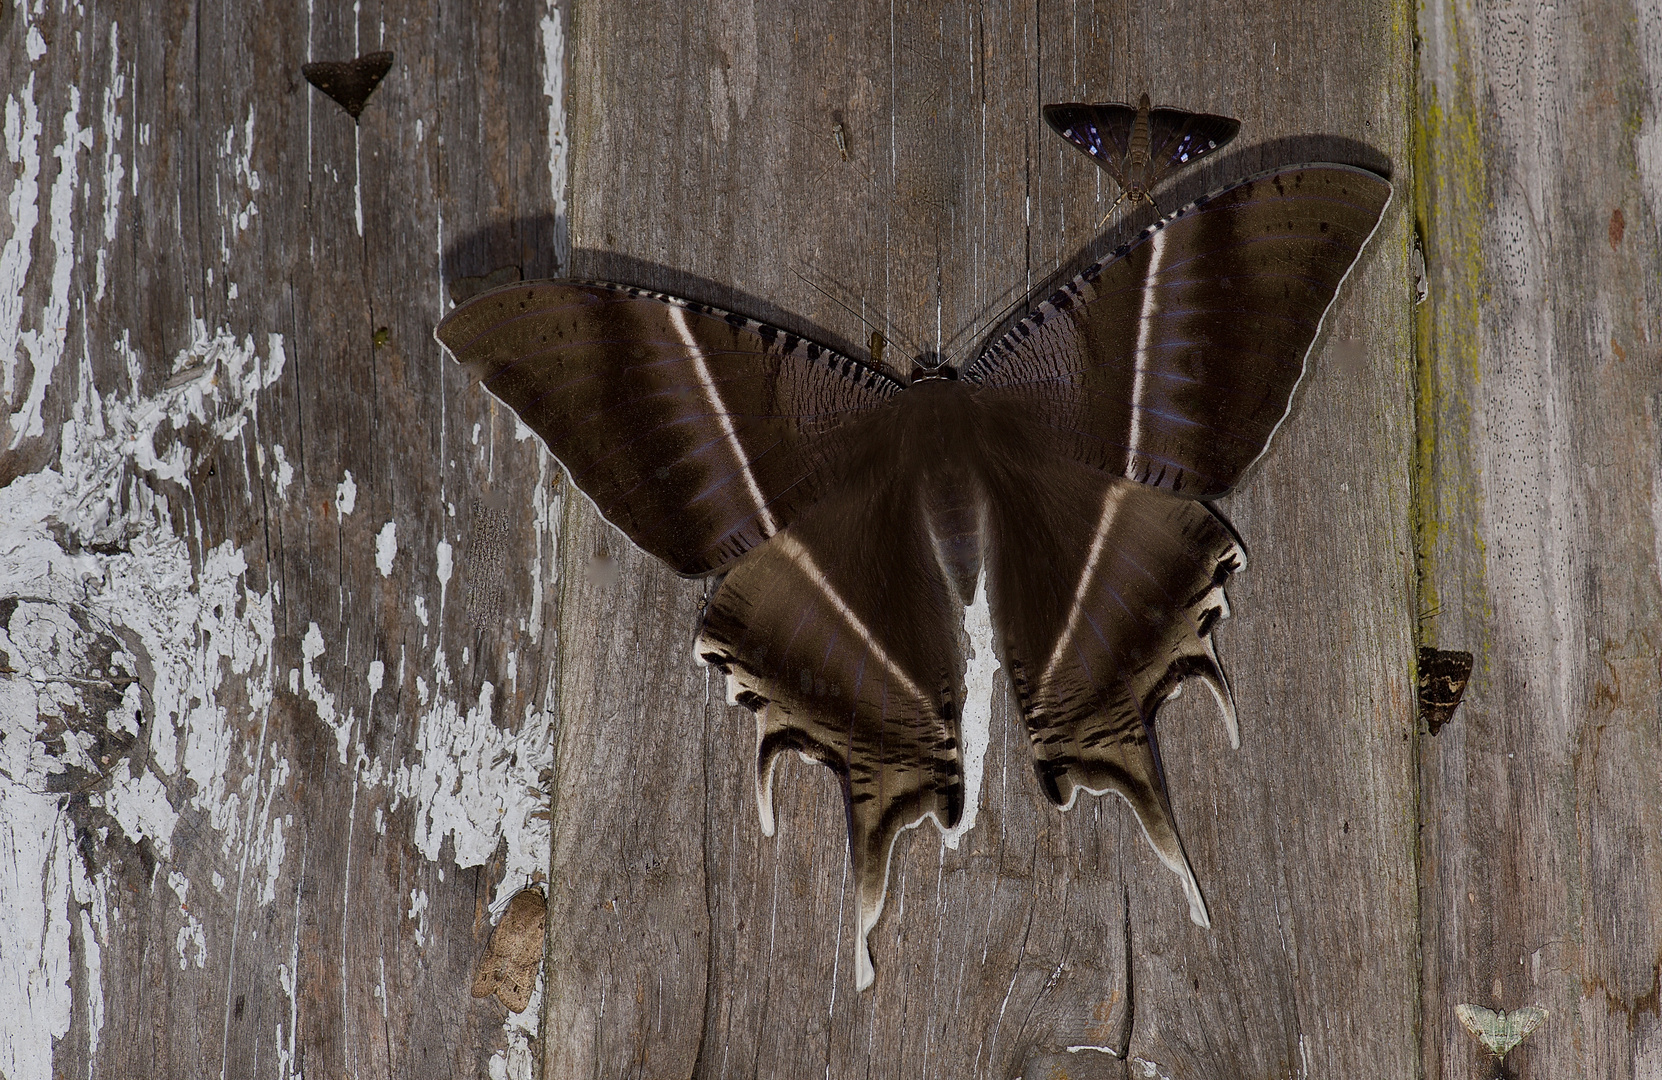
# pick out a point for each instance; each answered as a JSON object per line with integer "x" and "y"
{"x": 706, "y": 164}
{"x": 1541, "y": 163}
{"x": 1303, "y": 840}
{"x": 274, "y": 702}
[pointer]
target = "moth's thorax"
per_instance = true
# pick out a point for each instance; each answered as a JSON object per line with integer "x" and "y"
{"x": 935, "y": 430}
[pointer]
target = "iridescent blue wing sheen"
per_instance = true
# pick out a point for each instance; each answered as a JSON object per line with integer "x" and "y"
{"x": 1103, "y": 132}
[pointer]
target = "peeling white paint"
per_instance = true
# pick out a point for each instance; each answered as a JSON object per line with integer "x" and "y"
{"x": 46, "y": 343}
{"x": 114, "y": 168}
{"x": 139, "y": 805}
{"x": 386, "y": 548}
{"x": 276, "y": 848}
{"x": 545, "y": 520}
{"x": 444, "y": 568}
{"x": 95, "y": 931}
{"x": 346, "y": 495}
{"x": 191, "y": 941}
{"x": 418, "y": 914}
{"x": 243, "y": 209}
{"x": 1147, "y": 1068}
{"x": 91, "y": 543}
{"x": 283, "y": 475}
{"x": 516, "y": 1060}
{"x": 311, "y": 647}
{"x": 23, "y": 131}
{"x": 125, "y": 575}
{"x": 552, "y": 31}
{"x": 37, "y": 858}
{"x": 470, "y": 779}
{"x": 445, "y": 565}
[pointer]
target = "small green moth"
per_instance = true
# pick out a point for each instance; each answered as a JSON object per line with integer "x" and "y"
{"x": 1500, "y": 1031}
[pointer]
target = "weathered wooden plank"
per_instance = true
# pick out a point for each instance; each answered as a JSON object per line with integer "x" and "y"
{"x": 253, "y": 554}
{"x": 705, "y": 163}
{"x": 1541, "y": 173}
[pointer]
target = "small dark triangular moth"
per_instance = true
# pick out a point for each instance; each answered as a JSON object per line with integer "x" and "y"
{"x": 349, "y": 82}
{"x": 1058, "y": 485}
{"x": 1139, "y": 146}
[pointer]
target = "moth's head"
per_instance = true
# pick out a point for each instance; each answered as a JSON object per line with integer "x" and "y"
{"x": 927, "y": 367}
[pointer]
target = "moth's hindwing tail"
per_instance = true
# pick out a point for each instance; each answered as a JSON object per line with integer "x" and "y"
{"x": 852, "y": 660}
{"x": 1104, "y": 613}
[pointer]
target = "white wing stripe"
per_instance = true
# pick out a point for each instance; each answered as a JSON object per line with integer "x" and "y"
{"x": 804, "y": 559}
{"x": 678, "y": 319}
{"x": 1076, "y": 611}
{"x": 1139, "y": 363}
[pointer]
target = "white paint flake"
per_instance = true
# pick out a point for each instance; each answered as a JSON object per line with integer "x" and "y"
{"x": 468, "y": 778}
{"x": 346, "y": 495}
{"x": 95, "y": 931}
{"x": 1147, "y": 1068}
{"x": 37, "y": 859}
{"x": 386, "y": 547}
{"x": 191, "y": 942}
{"x": 283, "y": 475}
{"x": 114, "y": 169}
{"x": 23, "y": 131}
{"x": 242, "y": 210}
{"x": 552, "y": 31}
{"x": 418, "y": 914}
{"x": 546, "y": 519}
{"x": 88, "y": 546}
{"x": 139, "y": 805}
{"x": 445, "y": 565}
{"x": 276, "y": 848}
{"x": 311, "y": 647}
{"x": 46, "y": 343}
{"x": 90, "y": 543}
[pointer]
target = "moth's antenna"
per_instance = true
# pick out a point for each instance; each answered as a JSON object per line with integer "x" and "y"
{"x": 877, "y": 331}
{"x": 975, "y": 334}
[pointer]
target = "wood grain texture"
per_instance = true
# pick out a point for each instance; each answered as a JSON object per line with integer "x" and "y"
{"x": 325, "y": 892}
{"x": 330, "y": 570}
{"x": 705, "y": 165}
{"x": 1540, "y": 162}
